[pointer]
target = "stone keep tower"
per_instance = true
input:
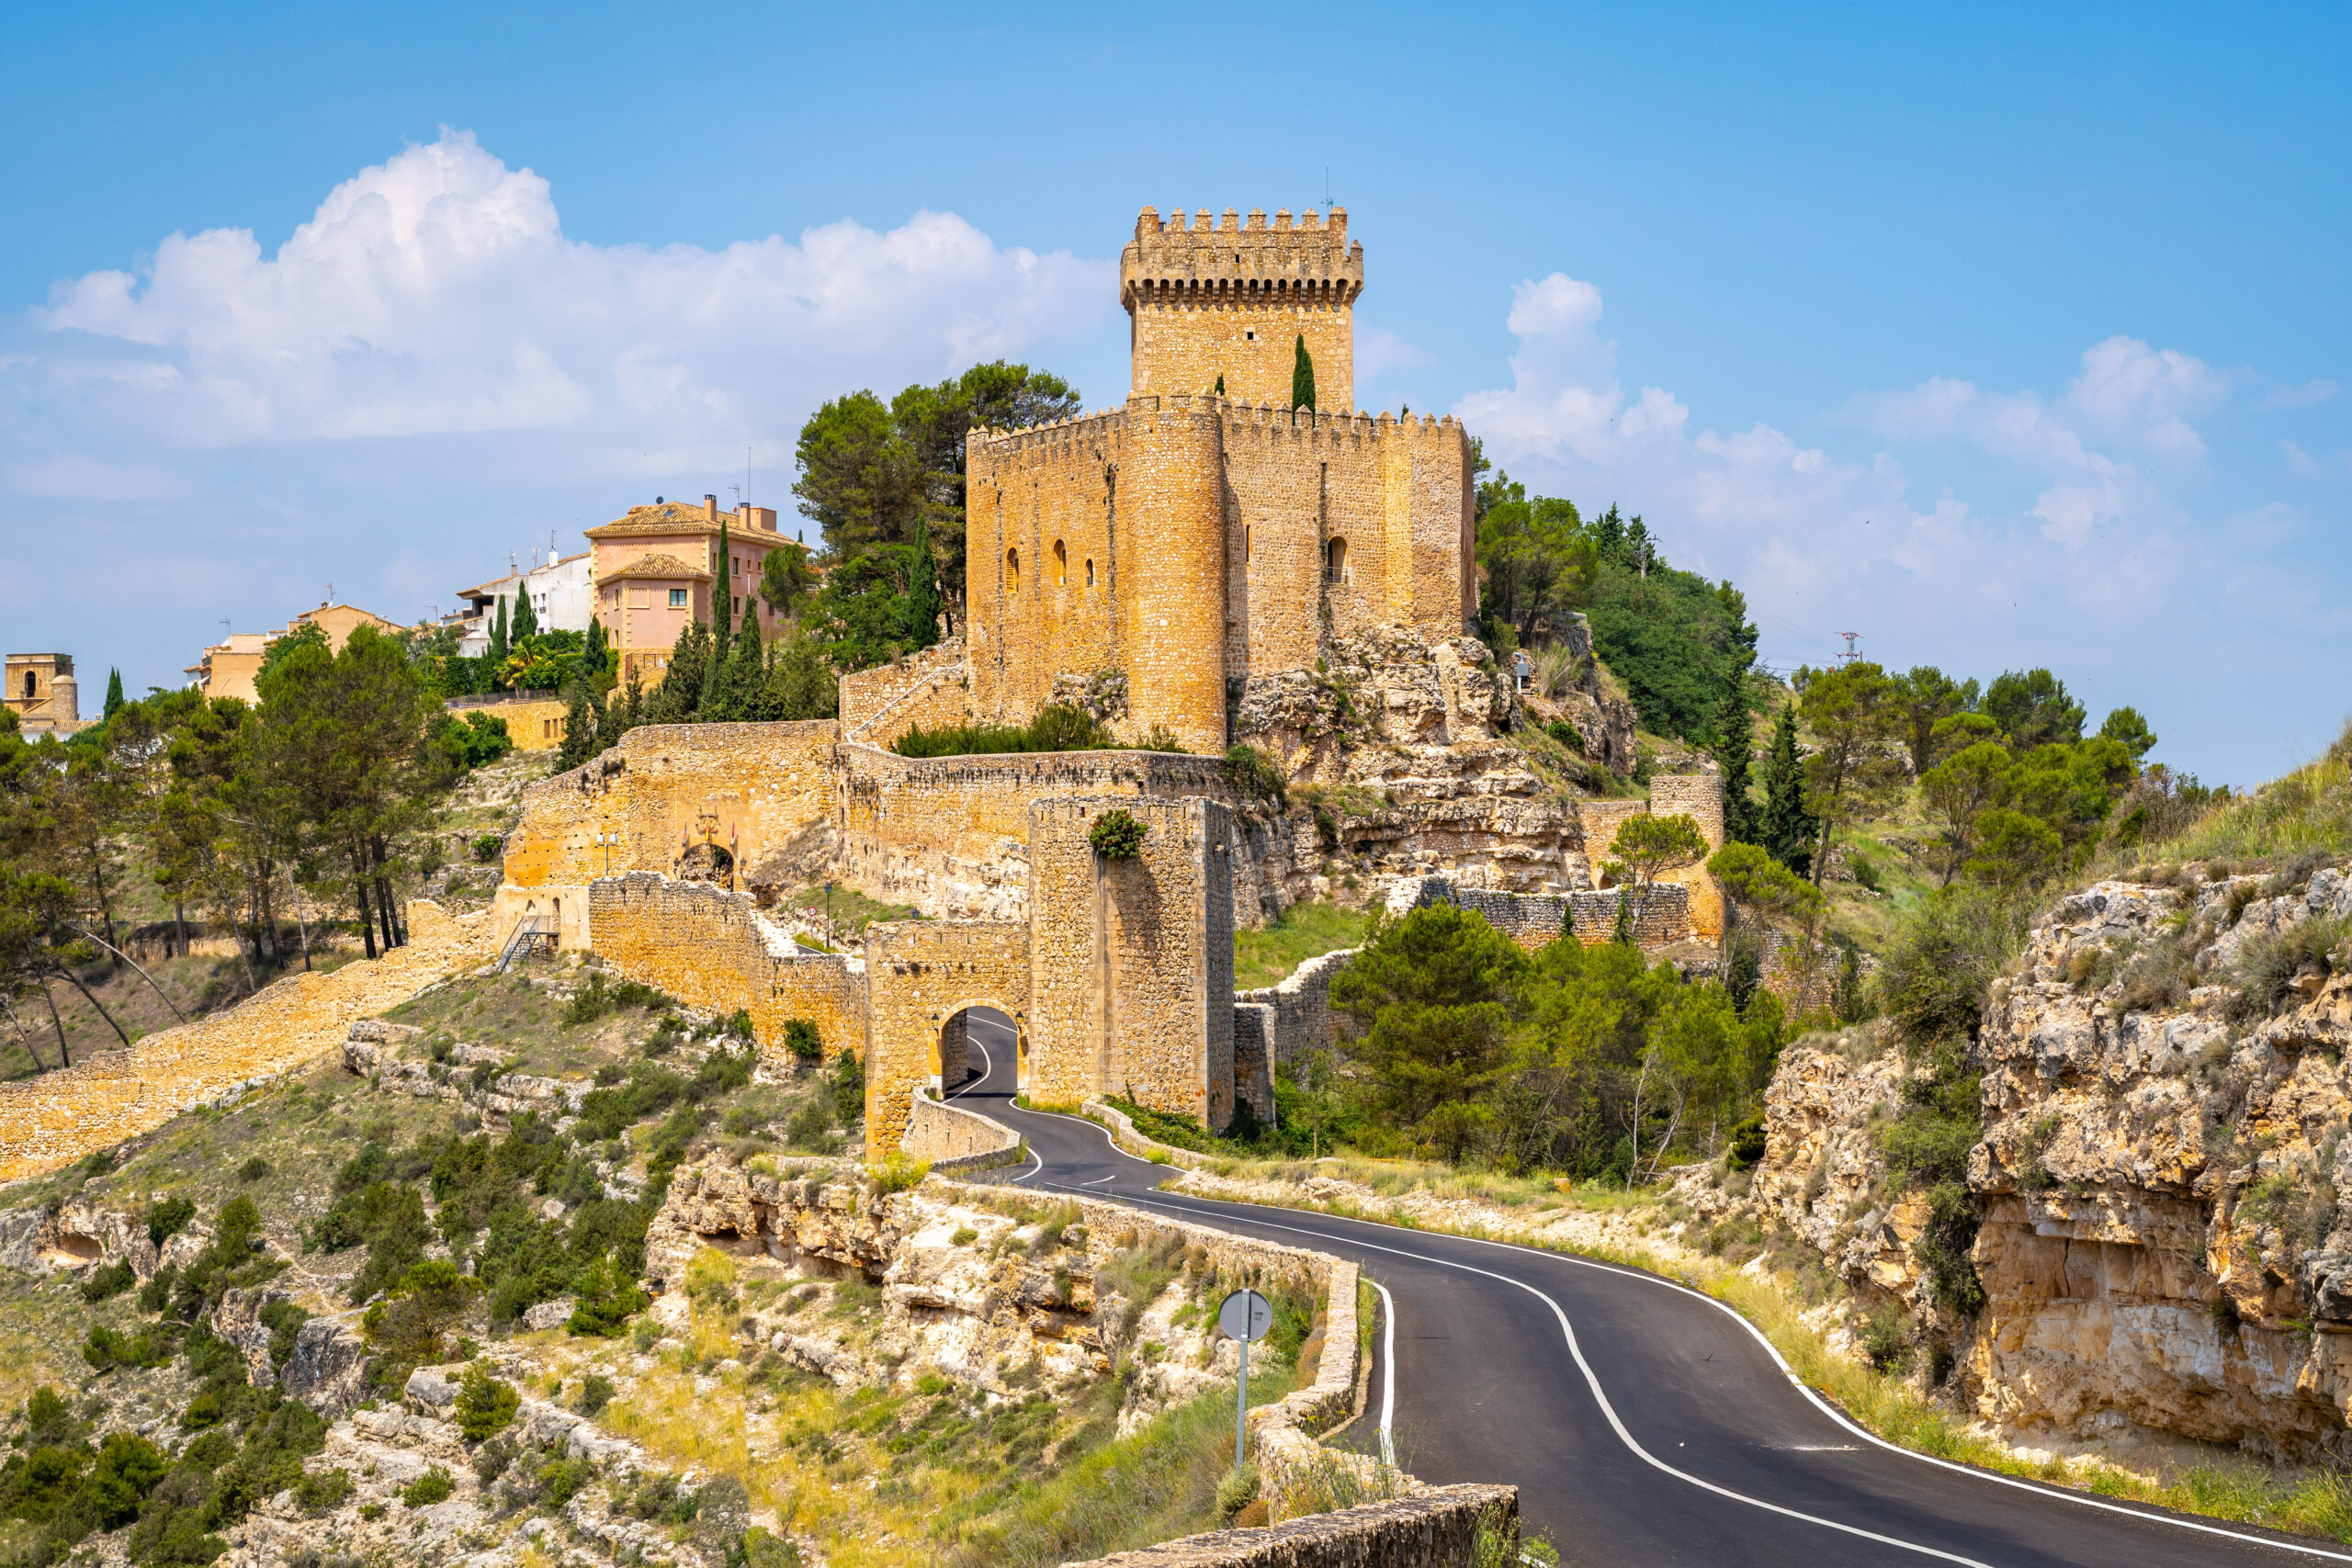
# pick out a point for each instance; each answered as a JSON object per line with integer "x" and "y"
{"x": 1194, "y": 543}
{"x": 1232, "y": 300}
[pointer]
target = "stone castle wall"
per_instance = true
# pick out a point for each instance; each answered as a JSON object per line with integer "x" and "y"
{"x": 918, "y": 974}
{"x": 930, "y": 689}
{"x": 1533, "y": 919}
{"x": 1437, "y": 1527}
{"x": 1132, "y": 961}
{"x": 1227, "y": 303}
{"x": 1301, "y": 1005}
{"x": 56, "y": 1118}
{"x": 950, "y": 835}
{"x": 952, "y": 1138}
{"x": 712, "y": 950}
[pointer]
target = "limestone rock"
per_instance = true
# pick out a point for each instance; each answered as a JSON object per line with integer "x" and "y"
{"x": 550, "y": 1315}
{"x": 329, "y": 1364}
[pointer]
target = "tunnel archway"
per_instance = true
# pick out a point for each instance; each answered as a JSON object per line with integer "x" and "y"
{"x": 975, "y": 1044}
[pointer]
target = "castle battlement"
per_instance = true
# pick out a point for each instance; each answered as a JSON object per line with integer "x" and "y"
{"x": 1175, "y": 263}
{"x": 1220, "y": 308}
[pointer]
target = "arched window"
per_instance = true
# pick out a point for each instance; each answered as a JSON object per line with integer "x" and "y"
{"x": 1335, "y": 561}
{"x": 29, "y": 685}
{"x": 1061, "y": 565}
{"x": 1090, "y": 571}
{"x": 1012, "y": 571}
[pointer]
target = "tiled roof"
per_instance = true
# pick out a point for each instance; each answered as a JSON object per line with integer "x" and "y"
{"x": 655, "y": 564}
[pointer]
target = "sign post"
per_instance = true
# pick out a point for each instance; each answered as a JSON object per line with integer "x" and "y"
{"x": 1244, "y": 1316}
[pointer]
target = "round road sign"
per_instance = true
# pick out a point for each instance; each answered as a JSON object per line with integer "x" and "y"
{"x": 1245, "y": 1315}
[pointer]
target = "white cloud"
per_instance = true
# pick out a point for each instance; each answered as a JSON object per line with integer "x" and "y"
{"x": 438, "y": 294}
{"x": 2301, "y": 396}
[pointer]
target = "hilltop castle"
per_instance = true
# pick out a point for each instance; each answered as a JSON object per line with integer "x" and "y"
{"x": 1209, "y": 535}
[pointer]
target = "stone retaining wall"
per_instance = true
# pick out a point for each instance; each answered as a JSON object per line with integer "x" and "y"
{"x": 1435, "y": 1528}
{"x": 1302, "y": 1004}
{"x": 953, "y": 1138}
{"x": 56, "y": 1118}
{"x": 1531, "y": 920}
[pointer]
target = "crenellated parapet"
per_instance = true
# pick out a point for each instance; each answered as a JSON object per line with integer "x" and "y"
{"x": 1222, "y": 307}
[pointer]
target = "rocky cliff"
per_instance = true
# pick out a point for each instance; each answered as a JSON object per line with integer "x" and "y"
{"x": 2158, "y": 1238}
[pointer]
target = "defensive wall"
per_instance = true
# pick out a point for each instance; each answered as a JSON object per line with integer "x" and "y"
{"x": 1661, "y": 917}
{"x": 712, "y": 950}
{"x": 927, "y": 690}
{"x": 1132, "y": 960}
{"x": 1227, "y": 303}
{"x": 1300, "y": 1005}
{"x": 1434, "y": 1528}
{"x": 1187, "y": 541}
{"x": 951, "y": 1138}
{"x": 56, "y": 1118}
{"x": 534, "y": 724}
{"x": 920, "y": 974}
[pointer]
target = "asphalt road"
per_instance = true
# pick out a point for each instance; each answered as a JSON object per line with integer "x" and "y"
{"x": 1643, "y": 1423}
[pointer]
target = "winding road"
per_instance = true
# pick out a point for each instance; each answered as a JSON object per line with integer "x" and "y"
{"x": 1643, "y": 1423}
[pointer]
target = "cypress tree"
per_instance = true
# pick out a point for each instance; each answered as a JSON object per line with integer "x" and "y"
{"x": 1302, "y": 377}
{"x": 581, "y": 721}
{"x": 1787, "y": 830}
{"x": 497, "y": 655}
{"x": 747, "y": 669}
{"x": 922, "y": 590}
{"x": 527, "y": 620}
{"x": 679, "y": 696}
{"x": 722, "y": 612}
{"x": 599, "y": 653}
{"x": 1735, "y": 751}
{"x": 114, "y": 695}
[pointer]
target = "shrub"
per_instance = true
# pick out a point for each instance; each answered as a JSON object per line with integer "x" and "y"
{"x": 800, "y": 1038}
{"x": 595, "y": 1392}
{"x": 168, "y": 1218}
{"x": 1886, "y": 1338}
{"x": 738, "y": 1023}
{"x": 106, "y": 1349}
{"x": 1237, "y": 1490}
{"x": 1116, "y": 835}
{"x": 897, "y": 1173}
{"x": 105, "y": 1284}
{"x": 1747, "y": 1140}
{"x": 563, "y": 1478}
{"x": 485, "y": 847}
{"x": 253, "y": 1170}
{"x": 485, "y": 1403}
{"x": 434, "y": 1486}
{"x": 607, "y": 1298}
{"x": 324, "y": 1491}
{"x": 1567, "y": 734}
{"x": 1947, "y": 1249}
{"x": 1057, "y": 728}
{"x": 590, "y": 1002}
{"x": 1252, "y": 774}
{"x": 762, "y": 1550}
{"x": 2268, "y": 965}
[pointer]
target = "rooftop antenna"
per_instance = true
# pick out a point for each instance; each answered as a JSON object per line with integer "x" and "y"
{"x": 1327, "y": 202}
{"x": 1850, "y": 654}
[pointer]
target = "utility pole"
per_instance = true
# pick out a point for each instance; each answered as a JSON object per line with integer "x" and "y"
{"x": 1850, "y": 654}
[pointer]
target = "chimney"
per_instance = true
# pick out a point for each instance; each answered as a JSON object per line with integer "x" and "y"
{"x": 710, "y": 508}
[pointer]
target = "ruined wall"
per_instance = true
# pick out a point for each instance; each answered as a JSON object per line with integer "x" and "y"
{"x": 1301, "y": 1005}
{"x": 919, "y": 974}
{"x": 56, "y": 1118}
{"x": 1701, "y": 796}
{"x": 929, "y": 690}
{"x": 711, "y": 949}
{"x": 1132, "y": 961}
{"x": 1253, "y": 1056}
{"x": 949, "y": 835}
{"x": 744, "y": 790}
{"x": 952, "y": 1138}
{"x": 1531, "y": 920}
{"x": 532, "y": 725}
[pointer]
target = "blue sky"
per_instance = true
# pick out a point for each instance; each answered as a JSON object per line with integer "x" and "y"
{"x": 2021, "y": 343}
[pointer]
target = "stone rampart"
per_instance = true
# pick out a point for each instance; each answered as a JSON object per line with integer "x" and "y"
{"x": 1132, "y": 960}
{"x": 534, "y": 724}
{"x": 929, "y": 689}
{"x": 1531, "y": 920}
{"x": 950, "y": 835}
{"x": 57, "y": 1118}
{"x": 713, "y": 950}
{"x": 953, "y": 1138}
{"x": 920, "y": 974}
{"x": 1253, "y": 1055}
{"x": 1301, "y": 1005}
{"x": 1437, "y": 1527}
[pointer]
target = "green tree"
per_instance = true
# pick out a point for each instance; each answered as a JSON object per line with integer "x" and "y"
{"x": 1957, "y": 793}
{"x": 581, "y": 720}
{"x": 2013, "y": 853}
{"x": 785, "y": 580}
{"x": 525, "y": 621}
{"x": 678, "y": 698}
{"x": 722, "y": 607}
{"x": 1649, "y": 845}
{"x": 2128, "y": 730}
{"x": 1302, "y": 376}
{"x": 1535, "y": 562}
{"x": 2033, "y": 709}
{"x": 744, "y": 697}
{"x": 1849, "y": 776}
{"x": 801, "y": 684}
{"x": 1786, "y": 828}
{"x": 922, "y": 590}
{"x": 599, "y": 657}
{"x": 114, "y": 695}
{"x": 496, "y": 656}
{"x": 1923, "y": 697}
{"x": 1427, "y": 995}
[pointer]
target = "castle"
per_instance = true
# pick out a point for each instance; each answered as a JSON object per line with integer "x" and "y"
{"x": 1179, "y": 561}
{"x": 1208, "y": 535}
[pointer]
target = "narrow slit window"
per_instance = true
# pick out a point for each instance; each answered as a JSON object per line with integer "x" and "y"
{"x": 1335, "y": 561}
{"x": 1012, "y": 571}
{"x": 1090, "y": 571}
{"x": 1061, "y": 565}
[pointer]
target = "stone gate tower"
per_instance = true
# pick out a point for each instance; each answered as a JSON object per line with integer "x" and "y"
{"x": 1196, "y": 541}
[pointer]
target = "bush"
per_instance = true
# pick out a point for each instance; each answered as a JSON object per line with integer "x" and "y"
{"x": 1252, "y": 774}
{"x": 324, "y": 1492}
{"x": 253, "y": 1170}
{"x": 434, "y": 1486}
{"x": 563, "y": 1478}
{"x": 108, "y": 1349}
{"x": 590, "y": 1002}
{"x": 738, "y": 1023}
{"x": 168, "y": 1218}
{"x": 1886, "y": 1338}
{"x": 897, "y": 1173}
{"x": 1237, "y": 1490}
{"x": 1116, "y": 835}
{"x": 595, "y": 1392}
{"x": 607, "y": 1298}
{"x": 800, "y": 1038}
{"x": 105, "y": 1284}
{"x": 2268, "y": 965}
{"x": 1057, "y": 728}
{"x": 1747, "y": 1140}
{"x": 1567, "y": 734}
{"x": 485, "y": 1403}
{"x": 486, "y": 847}
{"x": 762, "y": 1550}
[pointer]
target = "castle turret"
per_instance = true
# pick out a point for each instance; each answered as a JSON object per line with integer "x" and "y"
{"x": 1174, "y": 601}
{"x": 1228, "y": 301}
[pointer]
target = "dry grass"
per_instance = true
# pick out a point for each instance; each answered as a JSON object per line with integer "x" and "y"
{"x": 1267, "y": 956}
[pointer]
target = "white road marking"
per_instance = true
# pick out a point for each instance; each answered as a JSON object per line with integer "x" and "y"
{"x": 1822, "y": 1404}
{"x": 1600, "y": 1397}
{"x": 1387, "y": 1373}
{"x": 984, "y": 1072}
{"x": 1101, "y": 1179}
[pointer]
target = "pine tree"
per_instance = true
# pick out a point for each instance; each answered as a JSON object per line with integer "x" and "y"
{"x": 114, "y": 695}
{"x": 679, "y": 696}
{"x": 582, "y": 722}
{"x": 1787, "y": 830}
{"x": 527, "y": 620}
{"x": 922, "y": 592}
{"x": 1302, "y": 377}
{"x": 1735, "y": 752}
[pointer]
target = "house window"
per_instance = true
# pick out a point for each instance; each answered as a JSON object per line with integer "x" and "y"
{"x": 1012, "y": 571}
{"x": 677, "y": 598}
{"x": 1061, "y": 565}
{"x": 735, "y": 605}
{"x": 738, "y": 562}
{"x": 1335, "y": 561}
